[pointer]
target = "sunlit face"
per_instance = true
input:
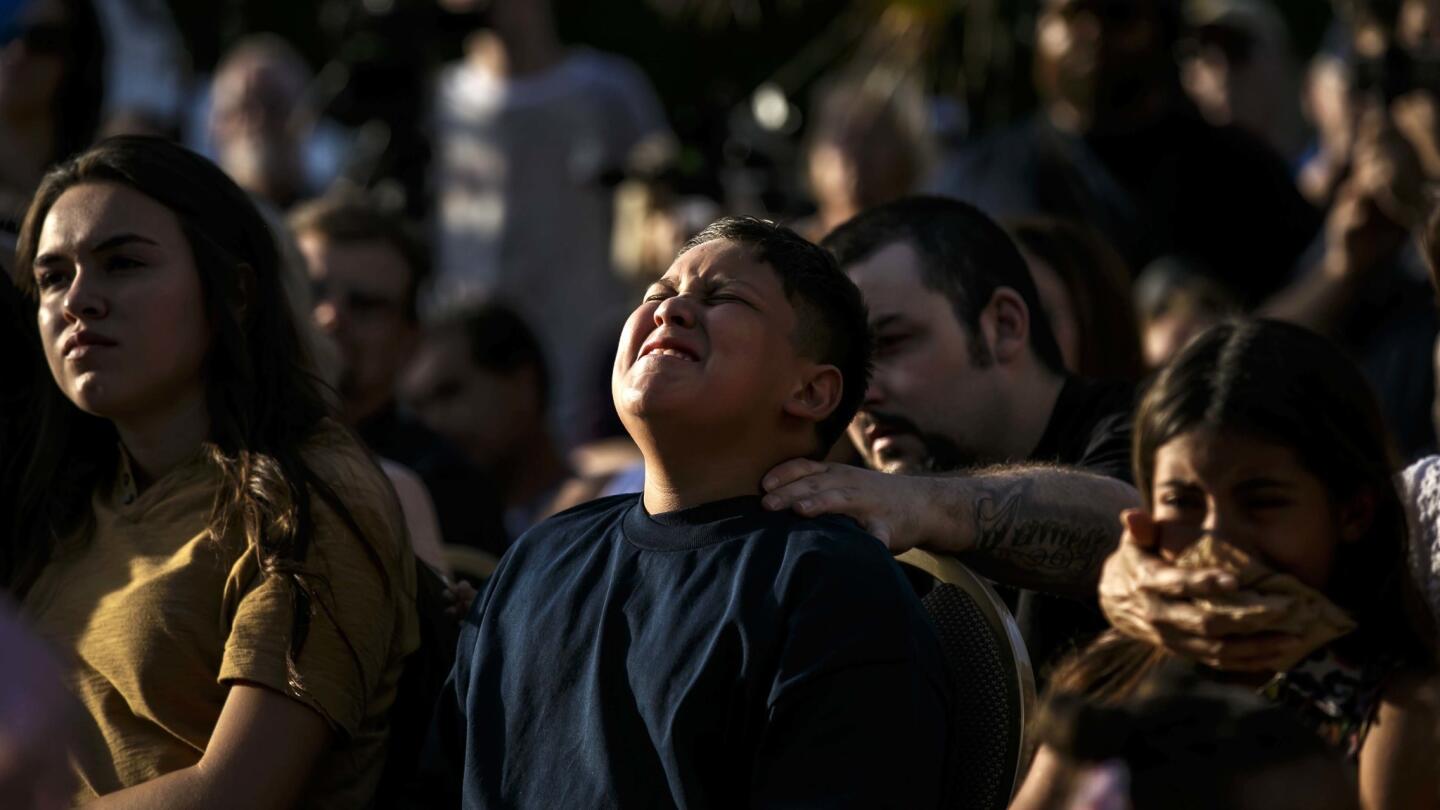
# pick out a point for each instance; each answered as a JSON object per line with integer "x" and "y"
{"x": 121, "y": 313}
{"x": 930, "y": 404}
{"x": 491, "y": 416}
{"x": 360, "y": 295}
{"x": 712, "y": 346}
{"x": 1250, "y": 493}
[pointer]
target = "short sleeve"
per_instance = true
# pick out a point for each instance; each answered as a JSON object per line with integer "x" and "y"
{"x": 634, "y": 112}
{"x": 1108, "y": 452}
{"x": 362, "y": 618}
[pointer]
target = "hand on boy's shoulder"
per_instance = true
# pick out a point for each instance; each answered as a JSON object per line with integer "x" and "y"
{"x": 891, "y": 507}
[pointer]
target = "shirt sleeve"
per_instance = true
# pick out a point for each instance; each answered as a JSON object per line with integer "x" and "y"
{"x": 1108, "y": 452}
{"x": 858, "y": 715}
{"x": 361, "y": 615}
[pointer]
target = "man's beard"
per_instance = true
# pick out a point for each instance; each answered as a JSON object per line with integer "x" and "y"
{"x": 939, "y": 453}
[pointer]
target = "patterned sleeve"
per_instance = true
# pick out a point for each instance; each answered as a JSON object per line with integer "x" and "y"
{"x": 1420, "y": 491}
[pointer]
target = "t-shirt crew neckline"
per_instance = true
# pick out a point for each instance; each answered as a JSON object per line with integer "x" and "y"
{"x": 697, "y": 526}
{"x": 131, "y": 502}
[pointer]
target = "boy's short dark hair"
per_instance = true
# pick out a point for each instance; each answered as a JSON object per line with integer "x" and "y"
{"x": 498, "y": 340}
{"x": 964, "y": 255}
{"x": 347, "y": 218}
{"x": 833, "y": 326}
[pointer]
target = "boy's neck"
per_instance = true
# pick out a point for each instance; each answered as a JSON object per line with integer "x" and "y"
{"x": 669, "y": 488}
{"x": 700, "y": 474}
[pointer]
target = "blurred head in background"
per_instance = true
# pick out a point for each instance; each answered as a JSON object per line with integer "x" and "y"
{"x": 479, "y": 379}
{"x": 52, "y": 57}
{"x": 258, "y": 121}
{"x": 1238, "y": 67}
{"x": 366, "y": 268}
{"x": 869, "y": 143}
{"x": 1084, "y": 289}
{"x": 1106, "y": 65}
{"x": 1175, "y": 301}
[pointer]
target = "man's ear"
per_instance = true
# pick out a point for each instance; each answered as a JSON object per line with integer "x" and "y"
{"x": 1005, "y": 322}
{"x": 1357, "y": 515}
{"x": 817, "y": 395}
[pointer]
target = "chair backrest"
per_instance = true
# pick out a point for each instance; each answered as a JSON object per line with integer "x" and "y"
{"x": 994, "y": 684}
{"x": 470, "y": 563}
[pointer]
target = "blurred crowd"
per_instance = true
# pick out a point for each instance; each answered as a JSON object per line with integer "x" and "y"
{"x": 1151, "y": 292}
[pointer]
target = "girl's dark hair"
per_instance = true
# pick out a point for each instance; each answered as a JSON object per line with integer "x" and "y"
{"x": 263, "y": 402}
{"x": 1098, "y": 284}
{"x": 1185, "y": 743}
{"x": 1288, "y": 386}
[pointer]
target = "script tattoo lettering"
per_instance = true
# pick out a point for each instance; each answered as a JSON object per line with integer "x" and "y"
{"x": 1011, "y": 528}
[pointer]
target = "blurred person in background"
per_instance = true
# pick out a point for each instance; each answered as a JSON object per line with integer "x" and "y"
{"x": 1239, "y": 69}
{"x": 1118, "y": 144}
{"x": 147, "y": 68}
{"x": 869, "y": 143}
{"x": 1084, "y": 289}
{"x": 51, "y": 88}
{"x": 1366, "y": 285}
{"x": 479, "y": 379}
{"x": 220, "y": 564}
{"x": 530, "y": 138}
{"x": 1328, "y": 106}
{"x": 260, "y": 129}
{"x": 421, "y": 521}
{"x": 1174, "y": 302}
{"x": 367, "y": 270}
{"x": 1180, "y": 744}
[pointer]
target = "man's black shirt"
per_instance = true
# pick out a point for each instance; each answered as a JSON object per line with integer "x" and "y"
{"x": 721, "y": 656}
{"x": 467, "y": 502}
{"x": 1089, "y": 429}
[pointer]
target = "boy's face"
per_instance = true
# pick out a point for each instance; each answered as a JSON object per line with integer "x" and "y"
{"x": 711, "y": 347}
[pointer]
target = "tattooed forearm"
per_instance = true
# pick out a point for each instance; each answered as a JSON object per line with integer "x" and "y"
{"x": 1046, "y": 528}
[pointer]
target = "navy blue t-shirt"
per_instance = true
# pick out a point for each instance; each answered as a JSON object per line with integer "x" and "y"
{"x": 721, "y": 656}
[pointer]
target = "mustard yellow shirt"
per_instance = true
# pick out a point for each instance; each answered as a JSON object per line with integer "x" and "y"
{"x": 156, "y": 620}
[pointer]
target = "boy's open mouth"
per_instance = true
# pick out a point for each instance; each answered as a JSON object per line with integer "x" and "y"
{"x": 668, "y": 346}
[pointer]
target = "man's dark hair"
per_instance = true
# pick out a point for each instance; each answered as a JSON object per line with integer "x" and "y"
{"x": 963, "y": 255}
{"x": 349, "y": 218}
{"x": 499, "y": 341}
{"x": 832, "y": 323}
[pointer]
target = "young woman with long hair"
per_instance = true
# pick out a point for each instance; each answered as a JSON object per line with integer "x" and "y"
{"x": 223, "y": 566}
{"x": 1264, "y": 441}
